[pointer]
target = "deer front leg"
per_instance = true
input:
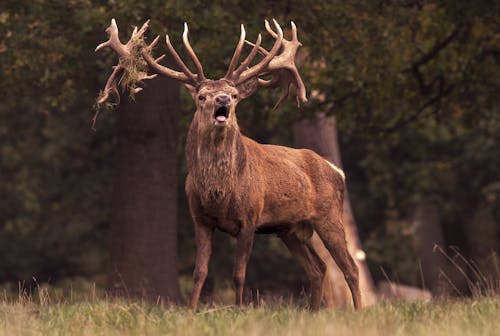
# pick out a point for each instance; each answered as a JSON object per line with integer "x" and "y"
{"x": 203, "y": 240}
{"x": 243, "y": 250}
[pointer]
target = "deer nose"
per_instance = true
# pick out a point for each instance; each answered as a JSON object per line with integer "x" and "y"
{"x": 222, "y": 100}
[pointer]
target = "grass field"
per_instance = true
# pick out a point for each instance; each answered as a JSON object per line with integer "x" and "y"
{"x": 104, "y": 317}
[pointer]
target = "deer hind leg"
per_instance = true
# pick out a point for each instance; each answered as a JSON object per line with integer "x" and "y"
{"x": 311, "y": 264}
{"x": 332, "y": 234}
{"x": 332, "y": 297}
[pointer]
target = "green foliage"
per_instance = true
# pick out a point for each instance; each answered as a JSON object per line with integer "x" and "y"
{"x": 55, "y": 172}
{"x": 413, "y": 86}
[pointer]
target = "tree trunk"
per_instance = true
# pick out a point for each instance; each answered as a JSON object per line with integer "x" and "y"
{"x": 144, "y": 212}
{"x": 482, "y": 232}
{"x": 428, "y": 234}
{"x": 320, "y": 135}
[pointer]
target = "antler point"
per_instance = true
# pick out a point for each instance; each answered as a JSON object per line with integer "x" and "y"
{"x": 278, "y": 27}
{"x": 99, "y": 47}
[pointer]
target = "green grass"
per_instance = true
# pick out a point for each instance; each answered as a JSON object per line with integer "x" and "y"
{"x": 105, "y": 317}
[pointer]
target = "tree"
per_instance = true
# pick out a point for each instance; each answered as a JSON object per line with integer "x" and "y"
{"x": 144, "y": 214}
{"x": 320, "y": 135}
{"x": 428, "y": 236}
{"x": 413, "y": 87}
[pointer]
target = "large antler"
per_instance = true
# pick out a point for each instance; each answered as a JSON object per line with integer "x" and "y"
{"x": 243, "y": 73}
{"x": 186, "y": 75}
{"x": 127, "y": 62}
{"x": 282, "y": 68}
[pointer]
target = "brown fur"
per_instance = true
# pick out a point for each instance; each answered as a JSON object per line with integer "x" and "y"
{"x": 241, "y": 187}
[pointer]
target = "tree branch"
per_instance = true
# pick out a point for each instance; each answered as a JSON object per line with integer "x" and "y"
{"x": 426, "y": 58}
{"x": 435, "y": 100}
{"x": 414, "y": 68}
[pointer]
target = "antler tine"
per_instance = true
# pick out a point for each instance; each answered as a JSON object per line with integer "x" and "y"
{"x": 158, "y": 59}
{"x": 114, "y": 40}
{"x": 294, "y": 46}
{"x": 294, "y": 33}
{"x": 301, "y": 95}
{"x": 256, "y": 69}
{"x": 266, "y": 82}
{"x": 164, "y": 71}
{"x": 111, "y": 87}
{"x": 196, "y": 61}
{"x": 261, "y": 50}
{"x": 141, "y": 31}
{"x": 250, "y": 57}
{"x": 237, "y": 54}
{"x": 283, "y": 97}
{"x": 153, "y": 44}
{"x": 179, "y": 61}
{"x": 269, "y": 29}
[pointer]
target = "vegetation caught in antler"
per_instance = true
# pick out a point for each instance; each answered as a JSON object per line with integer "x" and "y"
{"x": 131, "y": 68}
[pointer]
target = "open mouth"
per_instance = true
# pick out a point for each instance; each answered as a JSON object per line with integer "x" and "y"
{"x": 221, "y": 114}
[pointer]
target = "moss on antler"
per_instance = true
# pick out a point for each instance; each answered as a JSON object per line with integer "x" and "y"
{"x": 135, "y": 67}
{"x": 128, "y": 73}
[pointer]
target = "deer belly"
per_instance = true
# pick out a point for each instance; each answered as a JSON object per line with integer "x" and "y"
{"x": 229, "y": 227}
{"x": 288, "y": 201}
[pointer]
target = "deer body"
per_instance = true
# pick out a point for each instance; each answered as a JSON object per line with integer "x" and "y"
{"x": 280, "y": 186}
{"x": 241, "y": 187}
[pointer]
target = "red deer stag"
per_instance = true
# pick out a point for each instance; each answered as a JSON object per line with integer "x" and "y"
{"x": 241, "y": 187}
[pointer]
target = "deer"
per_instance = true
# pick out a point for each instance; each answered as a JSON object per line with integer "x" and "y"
{"x": 238, "y": 186}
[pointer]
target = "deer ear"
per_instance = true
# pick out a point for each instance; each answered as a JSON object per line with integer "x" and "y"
{"x": 248, "y": 87}
{"x": 192, "y": 90}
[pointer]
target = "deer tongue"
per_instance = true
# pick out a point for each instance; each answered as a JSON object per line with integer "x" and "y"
{"x": 221, "y": 118}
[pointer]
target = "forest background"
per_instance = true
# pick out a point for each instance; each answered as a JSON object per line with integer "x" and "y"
{"x": 411, "y": 88}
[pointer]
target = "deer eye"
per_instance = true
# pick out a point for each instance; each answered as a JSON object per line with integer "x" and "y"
{"x": 234, "y": 96}
{"x": 201, "y": 98}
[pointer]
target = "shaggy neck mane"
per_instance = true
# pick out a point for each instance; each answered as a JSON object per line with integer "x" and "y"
{"x": 214, "y": 156}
